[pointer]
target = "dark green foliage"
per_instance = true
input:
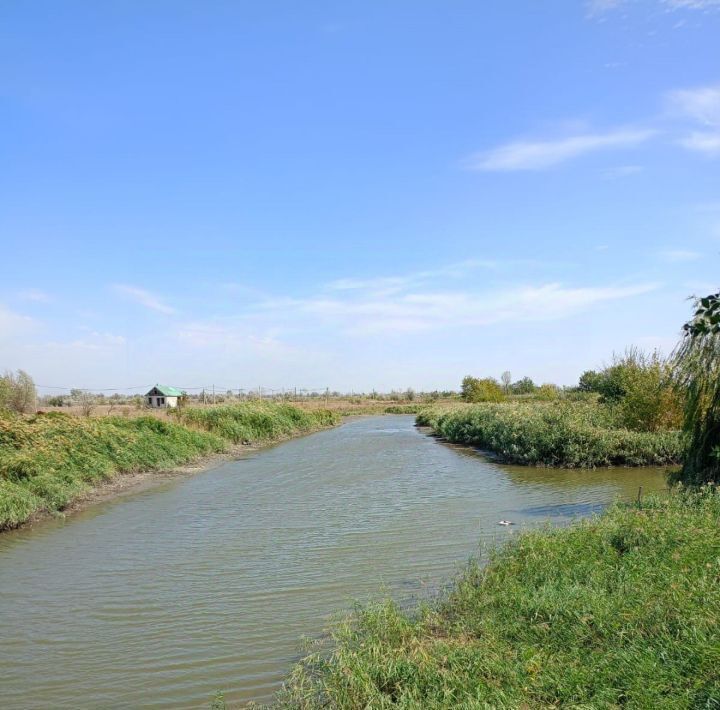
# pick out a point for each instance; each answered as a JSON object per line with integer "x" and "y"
{"x": 573, "y": 435}
{"x": 617, "y": 611}
{"x": 697, "y": 374}
{"x": 524, "y": 386}
{"x": 591, "y": 381}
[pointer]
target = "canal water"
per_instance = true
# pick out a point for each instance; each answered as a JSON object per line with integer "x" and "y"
{"x": 160, "y": 598}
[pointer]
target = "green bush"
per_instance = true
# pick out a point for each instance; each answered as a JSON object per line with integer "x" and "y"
{"x": 486, "y": 390}
{"x": 641, "y": 388}
{"x": 618, "y": 611}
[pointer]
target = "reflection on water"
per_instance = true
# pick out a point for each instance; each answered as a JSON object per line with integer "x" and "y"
{"x": 161, "y": 598}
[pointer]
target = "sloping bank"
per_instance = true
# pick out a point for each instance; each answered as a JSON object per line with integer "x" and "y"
{"x": 621, "y": 610}
{"x": 47, "y": 461}
{"x": 567, "y": 434}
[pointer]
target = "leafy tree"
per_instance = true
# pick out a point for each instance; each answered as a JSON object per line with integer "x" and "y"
{"x": 17, "y": 392}
{"x": 591, "y": 381}
{"x": 524, "y": 386}
{"x": 697, "y": 373}
{"x": 485, "y": 390}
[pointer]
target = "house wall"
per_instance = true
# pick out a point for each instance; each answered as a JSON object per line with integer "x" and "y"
{"x": 154, "y": 401}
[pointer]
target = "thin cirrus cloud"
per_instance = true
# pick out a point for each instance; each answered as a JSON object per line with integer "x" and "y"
{"x": 598, "y": 8}
{"x": 701, "y": 105}
{"x": 34, "y": 294}
{"x": 540, "y": 155}
{"x": 675, "y": 256}
{"x": 370, "y": 307}
{"x": 144, "y": 298}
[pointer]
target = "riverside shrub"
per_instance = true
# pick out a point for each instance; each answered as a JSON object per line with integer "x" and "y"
{"x": 568, "y": 434}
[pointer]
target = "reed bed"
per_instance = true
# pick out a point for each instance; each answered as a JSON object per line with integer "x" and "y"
{"x": 620, "y": 610}
{"x": 256, "y": 422}
{"x": 565, "y": 434}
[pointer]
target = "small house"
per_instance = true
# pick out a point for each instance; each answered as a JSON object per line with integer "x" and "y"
{"x": 163, "y": 396}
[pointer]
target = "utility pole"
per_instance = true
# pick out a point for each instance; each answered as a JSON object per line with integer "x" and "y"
{"x": 213, "y": 394}
{"x": 327, "y": 396}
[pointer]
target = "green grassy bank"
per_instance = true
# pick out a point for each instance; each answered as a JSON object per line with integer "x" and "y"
{"x": 49, "y": 460}
{"x": 256, "y": 422}
{"x": 621, "y": 610}
{"x": 568, "y": 434}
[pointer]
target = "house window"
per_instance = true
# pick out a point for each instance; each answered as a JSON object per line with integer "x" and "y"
{"x": 161, "y": 400}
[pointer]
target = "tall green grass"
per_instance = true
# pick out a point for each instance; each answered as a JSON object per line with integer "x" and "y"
{"x": 568, "y": 434}
{"x": 49, "y": 459}
{"x": 251, "y": 422}
{"x": 621, "y": 610}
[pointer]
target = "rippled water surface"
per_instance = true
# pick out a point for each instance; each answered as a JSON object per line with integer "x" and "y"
{"x": 160, "y": 598}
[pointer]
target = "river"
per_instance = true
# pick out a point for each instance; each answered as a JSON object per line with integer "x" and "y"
{"x": 204, "y": 583}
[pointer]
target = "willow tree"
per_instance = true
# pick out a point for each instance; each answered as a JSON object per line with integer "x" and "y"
{"x": 697, "y": 369}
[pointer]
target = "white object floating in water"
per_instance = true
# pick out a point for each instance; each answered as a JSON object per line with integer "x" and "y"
{"x": 505, "y": 522}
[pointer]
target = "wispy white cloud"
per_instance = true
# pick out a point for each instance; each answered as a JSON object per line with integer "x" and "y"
{"x": 93, "y": 341}
{"x": 598, "y": 8}
{"x": 539, "y": 155}
{"x": 394, "y": 284}
{"x": 621, "y": 171}
{"x": 402, "y": 305}
{"x": 706, "y": 142}
{"x": 144, "y": 298}
{"x": 674, "y": 256}
{"x": 13, "y": 324}
{"x": 700, "y": 105}
{"x": 692, "y": 4}
{"x": 34, "y": 294}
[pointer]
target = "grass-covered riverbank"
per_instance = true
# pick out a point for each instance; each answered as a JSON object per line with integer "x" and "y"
{"x": 256, "y": 422}
{"x": 569, "y": 434}
{"x": 49, "y": 460}
{"x": 619, "y": 610}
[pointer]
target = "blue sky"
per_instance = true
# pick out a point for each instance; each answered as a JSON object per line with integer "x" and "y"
{"x": 356, "y": 195}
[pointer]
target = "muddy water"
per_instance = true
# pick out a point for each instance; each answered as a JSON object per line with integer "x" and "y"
{"x": 159, "y": 599}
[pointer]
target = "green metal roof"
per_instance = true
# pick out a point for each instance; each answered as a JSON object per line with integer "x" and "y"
{"x": 167, "y": 391}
